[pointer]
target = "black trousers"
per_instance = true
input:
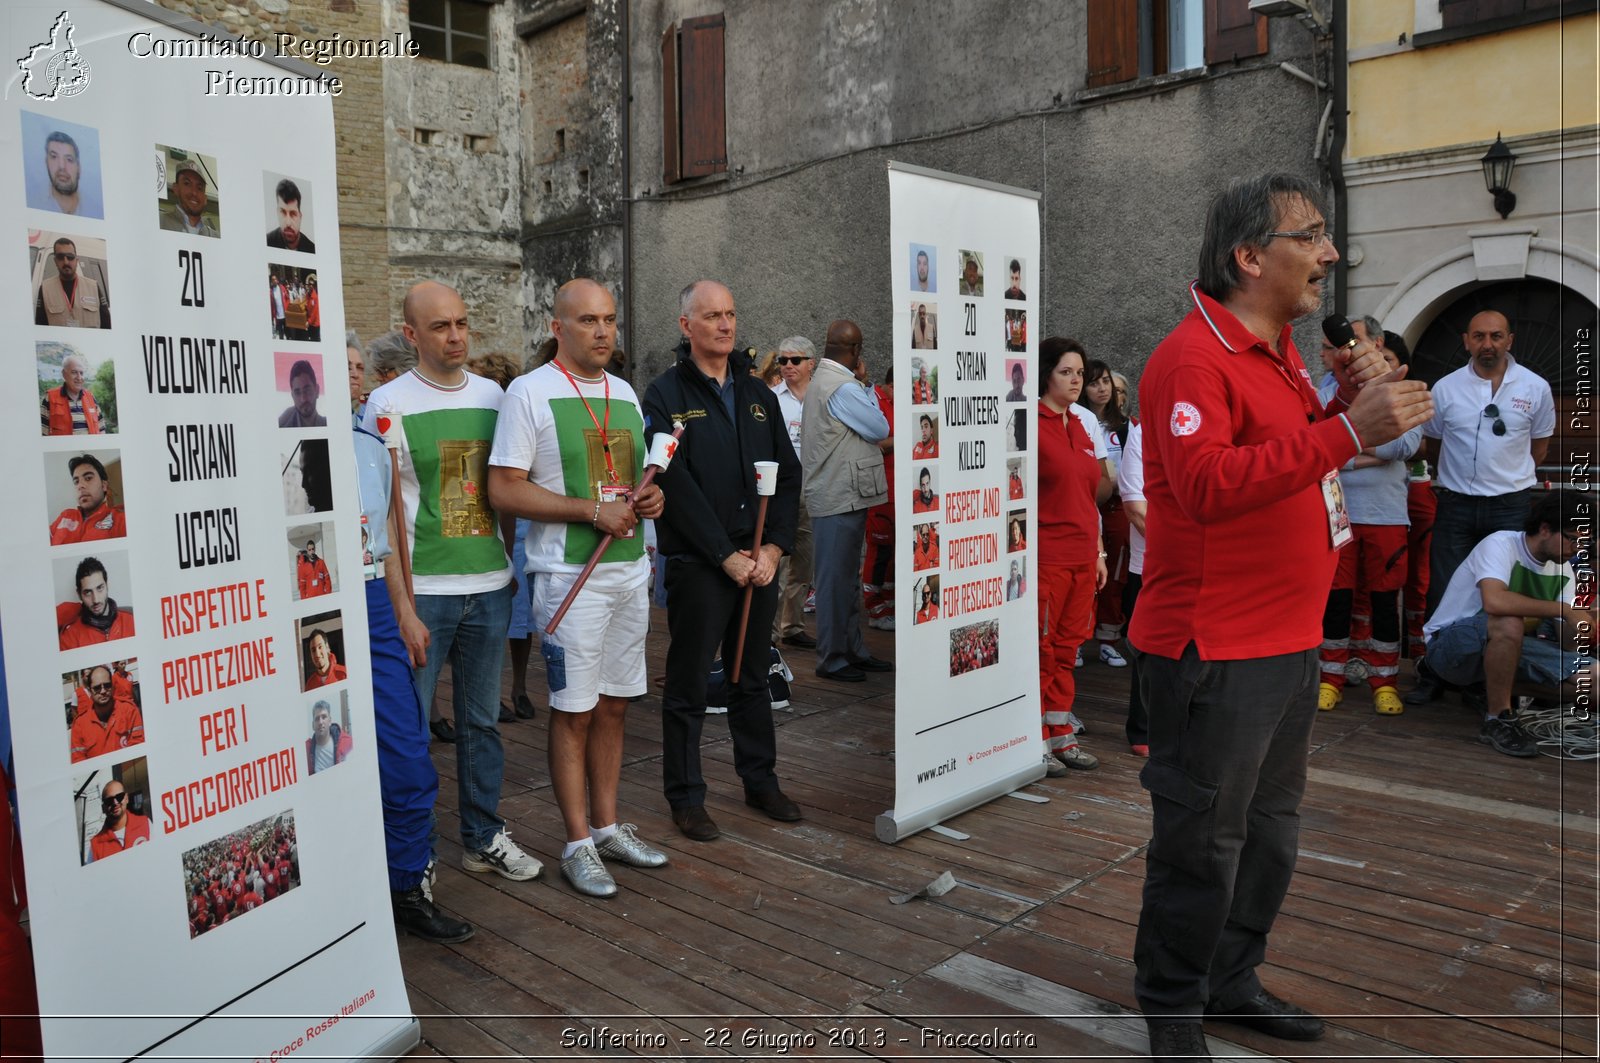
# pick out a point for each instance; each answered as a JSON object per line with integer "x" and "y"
{"x": 703, "y": 619}
{"x": 1138, "y": 726}
{"x": 1228, "y": 748}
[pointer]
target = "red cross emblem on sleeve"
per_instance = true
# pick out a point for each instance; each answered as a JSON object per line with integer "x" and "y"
{"x": 1185, "y": 419}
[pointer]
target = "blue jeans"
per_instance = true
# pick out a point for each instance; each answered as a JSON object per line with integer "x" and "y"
{"x": 406, "y": 778}
{"x": 470, "y": 631}
{"x": 1455, "y": 653}
{"x": 1462, "y": 522}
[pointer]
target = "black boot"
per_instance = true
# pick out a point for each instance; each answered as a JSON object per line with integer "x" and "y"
{"x": 413, "y": 911}
{"x": 1429, "y": 686}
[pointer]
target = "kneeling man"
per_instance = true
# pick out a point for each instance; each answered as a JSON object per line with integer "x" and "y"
{"x": 1508, "y": 615}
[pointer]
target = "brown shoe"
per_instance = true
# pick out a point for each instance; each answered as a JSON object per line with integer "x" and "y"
{"x": 695, "y": 824}
{"x": 774, "y": 804}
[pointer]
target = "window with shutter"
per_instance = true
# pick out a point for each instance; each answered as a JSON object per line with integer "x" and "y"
{"x": 1113, "y": 41}
{"x": 693, "y": 99}
{"x": 1233, "y": 32}
{"x": 1131, "y": 39}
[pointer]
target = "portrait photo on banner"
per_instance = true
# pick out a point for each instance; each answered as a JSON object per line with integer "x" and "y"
{"x": 70, "y": 279}
{"x": 328, "y": 724}
{"x": 77, "y": 387}
{"x": 924, "y": 546}
{"x": 1014, "y": 280}
{"x": 320, "y": 640}
{"x": 188, "y": 191}
{"x": 924, "y": 268}
{"x": 1016, "y": 478}
{"x": 313, "y": 561}
{"x": 61, "y": 166}
{"x": 287, "y": 202}
{"x": 1017, "y": 378}
{"x": 307, "y": 481}
{"x": 112, "y": 809}
{"x": 298, "y": 378}
{"x": 83, "y": 488}
{"x": 229, "y": 877}
{"x": 1017, "y": 430}
{"x": 924, "y": 382}
{"x": 925, "y": 595}
{"x": 103, "y": 709}
{"x": 925, "y": 491}
{"x": 971, "y": 273}
{"x": 1017, "y": 579}
{"x": 91, "y": 593}
{"x": 924, "y": 325}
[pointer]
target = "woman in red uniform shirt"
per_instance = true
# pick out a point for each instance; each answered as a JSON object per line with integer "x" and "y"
{"x": 1072, "y": 561}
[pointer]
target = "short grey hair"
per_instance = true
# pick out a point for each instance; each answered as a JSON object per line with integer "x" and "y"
{"x": 1374, "y": 330}
{"x": 686, "y": 297}
{"x": 1242, "y": 215}
{"x": 352, "y": 340}
{"x": 798, "y": 345}
{"x": 83, "y": 362}
{"x": 391, "y": 354}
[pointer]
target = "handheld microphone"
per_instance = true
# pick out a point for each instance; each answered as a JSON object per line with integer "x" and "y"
{"x": 1339, "y": 331}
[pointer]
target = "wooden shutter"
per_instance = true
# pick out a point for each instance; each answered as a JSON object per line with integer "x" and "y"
{"x": 1455, "y": 13}
{"x": 670, "y": 170}
{"x": 702, "y": 100}
{"x": 1113, "y": 42}
{"x": 1233, "y": 32}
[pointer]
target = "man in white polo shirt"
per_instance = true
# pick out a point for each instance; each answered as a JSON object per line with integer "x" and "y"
{"x": 1491, "y": 428}
{"x": 796, "y": 359}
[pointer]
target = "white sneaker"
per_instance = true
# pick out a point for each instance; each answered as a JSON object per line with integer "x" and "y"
{"x": 716, "y": 710}
{"x": 1109, "y": 655}
{"x": 1077, "y": 725}
{"x": 503, "y": 857}
{"x": 882, "y": 623}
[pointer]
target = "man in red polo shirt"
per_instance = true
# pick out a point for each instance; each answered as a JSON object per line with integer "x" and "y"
{"x": 1238, "y": 453}
{"x": 94, "y": 517}
{"x": 109, "y": 723}
{"x": 122, "y": 829}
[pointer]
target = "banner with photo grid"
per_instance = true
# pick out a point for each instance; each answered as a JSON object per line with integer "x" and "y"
{"x": 181, "y": 574}
{"x": 965, "y": 267}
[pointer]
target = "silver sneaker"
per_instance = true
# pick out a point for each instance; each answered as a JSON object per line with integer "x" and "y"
{"x": 504, "y": 857}
{"x": 1053, "y": 768}
{"x": 587, "y": 874}
{"x": 1074, "y": 757}
{"x": 625, "y": 847}
{"x": 1077, "y": 725}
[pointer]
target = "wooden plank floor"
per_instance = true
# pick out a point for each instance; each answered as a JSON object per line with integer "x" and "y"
{"x": 1445, "y": 904}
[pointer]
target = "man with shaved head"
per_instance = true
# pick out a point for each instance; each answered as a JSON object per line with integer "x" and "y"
{"x": 439, "y": 419}
{"x": 1491, "y": 428}
{"x": 706, "y": 533}
{"x": 568, "y": 456}
{"x": 843, "y": 479}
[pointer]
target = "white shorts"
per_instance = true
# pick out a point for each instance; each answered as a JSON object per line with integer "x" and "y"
{"x": 599, "y": 647}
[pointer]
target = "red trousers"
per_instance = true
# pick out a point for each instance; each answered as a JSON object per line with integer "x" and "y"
{"x": 877, "y": 567}
{"x": 1372, "y": 567}
{"x": 1108, "y": 618}
{"x": 1066, "y": 614}
{"x": 1421, "y": 505}
{"x": 19, "y": 997}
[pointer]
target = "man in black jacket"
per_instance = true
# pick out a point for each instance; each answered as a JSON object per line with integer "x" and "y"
{"x": 731, "y": 421}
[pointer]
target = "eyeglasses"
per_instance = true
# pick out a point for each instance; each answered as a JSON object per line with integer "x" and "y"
{"x": 62, "y": 256}
{"x": 795, "y": 359}
{"x": 1308, "y": 237}
{"x": 114, "y": 799}
{"x": 1492, "y": 410}
{"x": 99, "y": 686}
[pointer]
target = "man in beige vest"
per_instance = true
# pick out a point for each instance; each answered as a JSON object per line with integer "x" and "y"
{"x": 843, "y": 479}
{"x": 68, "y": 298}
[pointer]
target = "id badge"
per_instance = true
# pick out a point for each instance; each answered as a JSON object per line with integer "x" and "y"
{"x": 616, "y": 493}
{"x": 1338, "y": 516}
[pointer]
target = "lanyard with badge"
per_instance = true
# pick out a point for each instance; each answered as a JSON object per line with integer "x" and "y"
{"x": 616, "y": 490}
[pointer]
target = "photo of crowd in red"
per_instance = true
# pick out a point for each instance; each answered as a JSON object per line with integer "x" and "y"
{"x": 974, "y": 646}
{"x": 239, "y": 872}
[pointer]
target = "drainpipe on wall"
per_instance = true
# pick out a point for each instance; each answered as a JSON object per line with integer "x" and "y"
{"x": 1339, "y": 78}
{"x": 627, "y": 186}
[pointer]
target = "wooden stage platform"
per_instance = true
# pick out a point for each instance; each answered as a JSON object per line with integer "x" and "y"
{"x": 1445, "y": 904}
